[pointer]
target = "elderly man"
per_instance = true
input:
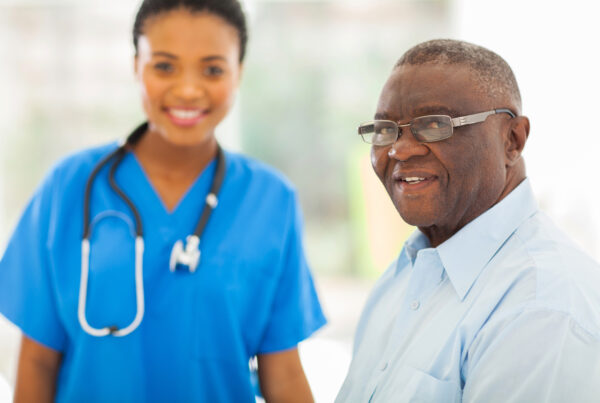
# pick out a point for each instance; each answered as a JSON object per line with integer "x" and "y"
{"x": 488, "y": 301}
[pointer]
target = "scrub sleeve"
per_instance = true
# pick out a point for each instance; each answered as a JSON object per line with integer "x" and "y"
{"x": 27, "y": 294}
{"x": 286, "y": 328}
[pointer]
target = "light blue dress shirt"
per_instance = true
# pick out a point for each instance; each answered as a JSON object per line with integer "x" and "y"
{"x": 507, "y": 310}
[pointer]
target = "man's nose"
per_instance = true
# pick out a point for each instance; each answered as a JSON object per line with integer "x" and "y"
{"x": 407, "y": 146}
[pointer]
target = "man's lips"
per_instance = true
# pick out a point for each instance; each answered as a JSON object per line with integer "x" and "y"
{"x": 413, "y": 180}
{"x": 412, "y": 176}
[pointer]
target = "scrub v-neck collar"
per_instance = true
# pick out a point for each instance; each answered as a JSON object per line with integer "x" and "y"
{"x": 139, "y": 188}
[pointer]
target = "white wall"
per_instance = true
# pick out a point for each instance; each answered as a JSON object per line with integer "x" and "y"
{"x": 552, "y": 47}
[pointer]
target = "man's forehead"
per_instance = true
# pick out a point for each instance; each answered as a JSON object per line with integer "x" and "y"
{"x": 435, "y": 75}
{"x": 414, "y": 90}
{"x": 416, "y": 111}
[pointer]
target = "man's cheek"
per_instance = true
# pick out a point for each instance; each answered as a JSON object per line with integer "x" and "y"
{"x": 379, "y": 161}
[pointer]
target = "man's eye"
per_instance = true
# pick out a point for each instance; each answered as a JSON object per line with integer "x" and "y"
{"x": 433, "y": 125}
{"x": 387, "y": 131}
{"x": 213, "y": 71}
{"x": 164, "y": 67}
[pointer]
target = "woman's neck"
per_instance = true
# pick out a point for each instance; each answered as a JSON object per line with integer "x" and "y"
{"x": 173, "y": 168}
{"x": 165, "y": 158}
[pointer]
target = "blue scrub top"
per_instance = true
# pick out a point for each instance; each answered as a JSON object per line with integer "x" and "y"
{"x": 251, "y": 294}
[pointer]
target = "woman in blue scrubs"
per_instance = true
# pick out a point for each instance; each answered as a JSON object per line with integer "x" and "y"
{"x": 251, "y": 293}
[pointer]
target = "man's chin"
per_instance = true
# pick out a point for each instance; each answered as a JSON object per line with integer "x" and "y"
{"x": 419, "y": 219}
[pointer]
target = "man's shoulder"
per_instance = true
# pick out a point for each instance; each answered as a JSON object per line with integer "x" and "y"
{"x": 541, "y": 268}
{"x": 554, "y": 255}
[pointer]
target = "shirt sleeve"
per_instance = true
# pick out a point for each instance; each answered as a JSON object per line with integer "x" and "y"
{"x": 27, "y": 295}
{"x": 296, "y": 311}
{"x": 539, "y": 356}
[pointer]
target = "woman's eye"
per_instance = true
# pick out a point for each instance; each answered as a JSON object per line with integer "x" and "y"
{"x": 213, "y": 71}
{"x": 164, "y": 67}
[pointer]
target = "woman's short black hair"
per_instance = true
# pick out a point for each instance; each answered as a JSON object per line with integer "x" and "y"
{"x": 230, "y": 10}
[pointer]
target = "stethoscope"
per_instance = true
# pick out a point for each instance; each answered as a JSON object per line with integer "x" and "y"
{"x": 180, "y": 256}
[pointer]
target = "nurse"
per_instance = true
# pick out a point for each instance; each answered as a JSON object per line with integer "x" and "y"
{"x": 172, "y": 333}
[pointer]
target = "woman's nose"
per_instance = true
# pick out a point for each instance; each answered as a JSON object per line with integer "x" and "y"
{"x": 190, "y": 87}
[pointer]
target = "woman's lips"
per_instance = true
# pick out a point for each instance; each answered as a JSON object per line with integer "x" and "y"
{"x": 185, "y": 116}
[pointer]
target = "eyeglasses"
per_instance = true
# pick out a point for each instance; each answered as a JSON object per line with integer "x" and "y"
{"x": 426, "y": 129}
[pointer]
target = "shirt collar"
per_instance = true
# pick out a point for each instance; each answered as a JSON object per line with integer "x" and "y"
{"x": 415, "y": 242}
{"x": 467, "y": 252}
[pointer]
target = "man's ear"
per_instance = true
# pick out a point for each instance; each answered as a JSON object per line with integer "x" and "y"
{"x": 516, "y": 138}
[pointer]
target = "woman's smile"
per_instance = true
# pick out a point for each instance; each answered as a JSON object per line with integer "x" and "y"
{"x": 186, "y": 117}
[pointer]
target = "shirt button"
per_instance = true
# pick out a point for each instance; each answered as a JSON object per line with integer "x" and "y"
{"x": 384, "y": 366}
{"x": 415, "y": 305}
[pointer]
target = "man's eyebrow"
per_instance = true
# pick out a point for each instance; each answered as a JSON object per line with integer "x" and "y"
{"x": 435, "y": 110}
{"x": 422, "y": 111}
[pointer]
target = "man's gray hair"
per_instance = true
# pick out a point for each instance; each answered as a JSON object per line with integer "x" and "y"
{"x": 493, "y": 75}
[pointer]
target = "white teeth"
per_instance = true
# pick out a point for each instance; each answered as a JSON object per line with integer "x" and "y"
{"x": 184, "y": 113}
{"x": 414, "y": 180}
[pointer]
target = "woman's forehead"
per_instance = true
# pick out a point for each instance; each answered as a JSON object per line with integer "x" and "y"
{"x": 188, "y": 35}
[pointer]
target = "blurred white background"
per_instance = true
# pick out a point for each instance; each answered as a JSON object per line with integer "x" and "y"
{"x": 313, "y": 72}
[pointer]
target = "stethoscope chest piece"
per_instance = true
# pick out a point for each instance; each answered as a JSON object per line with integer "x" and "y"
{"x": 188, "y": 256}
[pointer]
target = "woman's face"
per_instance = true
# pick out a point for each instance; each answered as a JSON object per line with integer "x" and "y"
{"x": 188, "y": 67}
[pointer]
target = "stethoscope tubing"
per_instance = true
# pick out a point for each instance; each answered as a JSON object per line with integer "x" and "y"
{"x": 211, "y": 202}
{"x": 139, "y": 292}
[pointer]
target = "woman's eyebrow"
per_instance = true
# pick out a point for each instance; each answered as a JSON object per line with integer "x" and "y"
{"x": 164, "y": 54}
{"x": 215, "y": 57}
{"x": 168, "y": 55}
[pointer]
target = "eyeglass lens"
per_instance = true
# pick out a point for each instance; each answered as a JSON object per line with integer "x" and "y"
{"x": 432, "y": 128}
{"x": 425, "y": 129}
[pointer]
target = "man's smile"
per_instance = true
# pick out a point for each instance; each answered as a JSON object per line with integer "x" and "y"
{"x": 412, "y": 181}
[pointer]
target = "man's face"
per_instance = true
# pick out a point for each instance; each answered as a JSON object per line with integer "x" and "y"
{"x": 465, "y": 174}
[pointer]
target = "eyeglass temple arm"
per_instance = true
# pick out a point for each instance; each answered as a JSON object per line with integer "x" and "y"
{"x": 366, "y": 128}
{"x": 478, "y": 117}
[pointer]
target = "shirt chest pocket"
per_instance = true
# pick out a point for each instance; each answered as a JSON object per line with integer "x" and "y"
{"x": 416, "y": 386}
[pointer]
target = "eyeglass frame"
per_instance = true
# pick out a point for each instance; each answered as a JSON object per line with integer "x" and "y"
{"x": 456, "y": 122}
